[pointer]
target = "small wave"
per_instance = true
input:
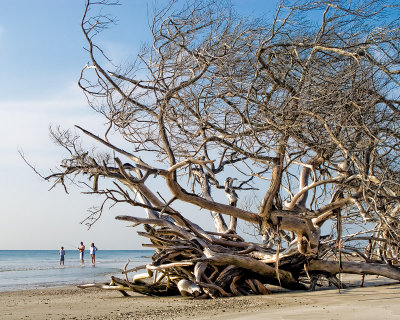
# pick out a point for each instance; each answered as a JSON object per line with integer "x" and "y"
{"x": 120, "y": 261}
{"x": 39, "y": 268}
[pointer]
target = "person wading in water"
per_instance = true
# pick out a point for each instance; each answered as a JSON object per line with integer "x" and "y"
{"x": 81, "y": 249}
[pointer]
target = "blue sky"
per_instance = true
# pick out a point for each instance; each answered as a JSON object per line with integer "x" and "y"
{"x": 41, "y": 55}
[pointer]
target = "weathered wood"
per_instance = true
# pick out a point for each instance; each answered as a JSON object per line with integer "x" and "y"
{"x": 332, "y": 267}
{"x": 287, "y": 280}
{"x": 188, "y": 288}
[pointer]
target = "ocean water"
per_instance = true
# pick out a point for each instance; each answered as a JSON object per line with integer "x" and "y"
{"x": 32, "y": 269}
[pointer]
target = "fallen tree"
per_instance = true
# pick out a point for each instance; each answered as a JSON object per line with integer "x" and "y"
{"x": 302, "y": 113}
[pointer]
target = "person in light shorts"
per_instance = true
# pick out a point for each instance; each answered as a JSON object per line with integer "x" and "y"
{"x": 81, "y": 249}
{"x": 93, "y": 250}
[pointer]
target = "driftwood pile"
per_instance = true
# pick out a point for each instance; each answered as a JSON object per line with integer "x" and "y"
{"x": 203, "y": 264}
{"x": 216, "y": 265}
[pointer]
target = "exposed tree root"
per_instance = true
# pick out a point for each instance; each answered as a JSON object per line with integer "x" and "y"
{"x": 192, "y": 268}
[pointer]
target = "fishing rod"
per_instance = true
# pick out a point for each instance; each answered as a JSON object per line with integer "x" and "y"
{"x": 70, "y": 246}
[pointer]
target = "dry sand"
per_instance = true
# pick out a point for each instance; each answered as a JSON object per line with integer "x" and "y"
{"x": 375, "y": 301}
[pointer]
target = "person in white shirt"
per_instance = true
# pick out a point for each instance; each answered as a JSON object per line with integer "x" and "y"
{"x": 93, "y": 250}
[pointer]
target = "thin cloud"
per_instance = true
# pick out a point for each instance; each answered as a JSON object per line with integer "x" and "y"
{"x": 26, "y": 125}
{"x": 37, "y": 106}
{"x": 68, "y": 100}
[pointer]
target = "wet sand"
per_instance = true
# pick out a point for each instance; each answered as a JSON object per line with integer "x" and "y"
{"x": 375, "y": 301}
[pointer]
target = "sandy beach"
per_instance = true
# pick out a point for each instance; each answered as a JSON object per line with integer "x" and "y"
{"x": 375, "y": 301}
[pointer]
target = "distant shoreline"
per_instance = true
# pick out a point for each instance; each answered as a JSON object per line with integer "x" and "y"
{"x": 371, "y": 302}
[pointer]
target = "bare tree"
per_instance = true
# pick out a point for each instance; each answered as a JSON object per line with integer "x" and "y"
{"x": 304, "y": 108}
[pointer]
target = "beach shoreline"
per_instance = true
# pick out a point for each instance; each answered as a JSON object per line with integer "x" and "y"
{"x": 379, "y": 299}
{"x": 32, "y": 269}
